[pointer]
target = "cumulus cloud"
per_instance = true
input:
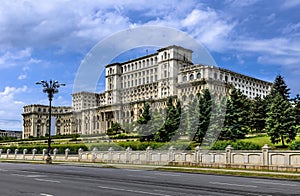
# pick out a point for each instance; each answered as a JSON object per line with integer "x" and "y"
{"x": 22, "y": 77}
{"x": 11, "y": 108}
{"x": 291, "y": 3}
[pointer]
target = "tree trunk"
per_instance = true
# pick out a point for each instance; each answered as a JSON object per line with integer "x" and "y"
{"x": 282, "y": 141}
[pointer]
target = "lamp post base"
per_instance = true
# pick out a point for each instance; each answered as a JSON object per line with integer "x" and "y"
{"x": 48, "y": 159}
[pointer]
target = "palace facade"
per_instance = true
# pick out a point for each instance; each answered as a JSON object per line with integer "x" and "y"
{"x": 153, "y": 78}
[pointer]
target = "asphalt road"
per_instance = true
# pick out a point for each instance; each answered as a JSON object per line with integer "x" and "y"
{"x": 62, "y": 180}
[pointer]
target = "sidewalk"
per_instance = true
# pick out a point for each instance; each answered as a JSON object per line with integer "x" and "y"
{"x": 220, "y": 171}
{"x": 187, "y": 169}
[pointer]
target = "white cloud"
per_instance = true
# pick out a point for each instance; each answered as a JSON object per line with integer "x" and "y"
{"x": 22, "y": 77}
{"x": 11, "y": 108}
{"x": 209, "y": 27}
{"x": 240, "y": 3}
{"x": 290, "y": 3}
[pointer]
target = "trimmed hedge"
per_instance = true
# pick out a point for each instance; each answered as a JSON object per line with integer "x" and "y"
{"x": 239, "y": 145}
{"x": 140, "y": 146}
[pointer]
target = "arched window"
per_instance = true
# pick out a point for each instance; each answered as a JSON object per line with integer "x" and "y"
{"x": 184, "y": 78}
{"x": 192, "y": 77}
{"x": 198, "y": 75}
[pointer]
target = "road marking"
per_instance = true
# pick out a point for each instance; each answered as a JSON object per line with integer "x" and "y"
{"x": 45, "y": 194}
{"x": 162, "y": 174}
{"x": 241, "y": 185}
{"x": 3, "y": 170}
{"x": 137, "y": 176}
{"x": 28, "y": 176}
{"x": 274, "y": 183}
{"x": 45, "y": 180}
{"x": 132, "y": 191}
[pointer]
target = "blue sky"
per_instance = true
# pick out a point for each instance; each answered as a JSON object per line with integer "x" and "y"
{"x": 42, "y": 40}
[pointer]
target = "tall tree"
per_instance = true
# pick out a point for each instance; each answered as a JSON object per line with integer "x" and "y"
{"x": 257, "y": 117}
{"x": 171, "y": 124}
{"x": 296, "y": 104}
{"x": 279, "y": 86}
{"x": 191, "y": 118}
{"x": 146, "y": 133}
{"x": 204, "y": 113}
{"x": 280, "y": 122}
{"x": 236, "y": 124}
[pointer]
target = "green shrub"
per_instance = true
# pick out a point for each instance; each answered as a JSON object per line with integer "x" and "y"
{"x": 239, "y": 145}
{"x": 295, "y": 145}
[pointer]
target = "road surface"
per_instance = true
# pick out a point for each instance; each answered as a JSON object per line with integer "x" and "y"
{"x": 65, "y": 180}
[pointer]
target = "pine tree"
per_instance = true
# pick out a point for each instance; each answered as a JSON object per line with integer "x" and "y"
{"x": 171, "y": 124}
{"x": 257, "y": 115}
{"x": 279, "y": 86}
{"x": 204, "y": 113}
{"x": 146, "y": 133}
{"x": 280, "y": 122}
{"x": 192, "y": 118}
{"x": 296, "y": 103}
{"x": 236, "y": 124}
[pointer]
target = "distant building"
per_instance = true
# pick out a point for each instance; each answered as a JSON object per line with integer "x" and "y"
{"x": 152, "y": 78}
{"x": 11, "y": 134}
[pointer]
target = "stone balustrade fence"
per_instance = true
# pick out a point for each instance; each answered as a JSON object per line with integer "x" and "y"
{"x": 259, "y": 159}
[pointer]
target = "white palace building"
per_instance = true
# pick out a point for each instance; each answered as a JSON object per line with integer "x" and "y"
{"x": 153, "y": 78}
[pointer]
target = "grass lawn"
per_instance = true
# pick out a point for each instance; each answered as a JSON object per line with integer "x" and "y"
{"x": 264, "y": 139}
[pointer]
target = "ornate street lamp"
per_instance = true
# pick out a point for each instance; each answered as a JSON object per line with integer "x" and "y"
{"x": 50, "y": 88}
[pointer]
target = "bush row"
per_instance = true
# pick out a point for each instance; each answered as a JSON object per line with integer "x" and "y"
{"x": 239, "y": 145}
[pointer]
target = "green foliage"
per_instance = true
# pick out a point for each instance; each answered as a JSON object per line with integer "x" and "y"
{"x": 296, "y": 103}
{"x": 145, "y": 124}
{"x": 257, "y": 115}
{"x": 236, "y": 124}
{"x": 172, "y": 122}
{"x": 281, "y": 125}
{"x": 123, "y": 136}
{"x": 115, "y": 129}
{"x": 239, "y": 145}
{"x": 145, "y": 117}
{"x": 280, "y": 87}
{"x": 203, "y": 115}
{"x": 295, "y": 145}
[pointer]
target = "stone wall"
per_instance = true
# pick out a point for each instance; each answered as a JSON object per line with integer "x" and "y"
{"x": 262, "y": 159}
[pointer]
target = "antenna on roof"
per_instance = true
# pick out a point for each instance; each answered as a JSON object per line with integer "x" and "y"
{"x": 147, "y": 51}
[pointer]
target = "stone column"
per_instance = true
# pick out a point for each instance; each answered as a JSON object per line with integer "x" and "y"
{"x": 54, "y": 153}
{"x": 16, "y": 153}
{"x": 33, "y": 153}
{"x": 7, "y": 153}
{"x": 171, "y": 154}
{"x": 44, "y": 153}
{"x": 148, "y": 154}
{"x": 94, "y": 154}
{"x": 67, "y": 151}
{"x": 128, "y": 154}
{"x": 24, "y": 153}
{"x": 265, "y": 155}
{"x": 110, "y": 154}
{"x": 229, "y": 149}
{"x": 80, "y": 151}
{"x": 197, "y": 154}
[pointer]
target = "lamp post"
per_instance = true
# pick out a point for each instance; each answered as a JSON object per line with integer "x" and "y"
{"x": 50, "y": 88}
